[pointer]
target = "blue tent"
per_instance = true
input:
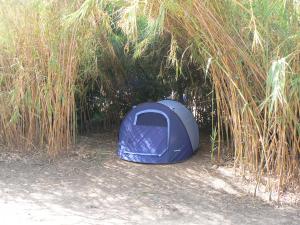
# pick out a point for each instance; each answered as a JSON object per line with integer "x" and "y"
{"x": 158, "y": 132}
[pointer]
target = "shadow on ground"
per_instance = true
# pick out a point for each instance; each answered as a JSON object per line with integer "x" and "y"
{"x": 92, "y": 186}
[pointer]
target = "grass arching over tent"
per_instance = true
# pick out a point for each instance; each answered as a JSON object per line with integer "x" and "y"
{"x": 254, "y": 49}
{"x": 54, "y": 53}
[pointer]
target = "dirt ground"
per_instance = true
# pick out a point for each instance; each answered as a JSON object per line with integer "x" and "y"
{"x": 92, "y": 186}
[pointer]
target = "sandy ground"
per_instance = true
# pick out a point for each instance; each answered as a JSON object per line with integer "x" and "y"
{"x": 92, "y": 186}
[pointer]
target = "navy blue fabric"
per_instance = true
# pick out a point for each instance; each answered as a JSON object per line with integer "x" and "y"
{"x": 163, "y": 141}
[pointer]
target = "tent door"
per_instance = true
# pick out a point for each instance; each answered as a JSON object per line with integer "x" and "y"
{"x": 150, "y": 136}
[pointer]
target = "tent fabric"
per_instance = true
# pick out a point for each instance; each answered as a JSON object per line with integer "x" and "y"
{"x": 187, "y": 119}
{"x": 154, "y": 133}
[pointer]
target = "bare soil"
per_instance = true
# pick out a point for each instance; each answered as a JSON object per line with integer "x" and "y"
{"x": 91, "y": 185}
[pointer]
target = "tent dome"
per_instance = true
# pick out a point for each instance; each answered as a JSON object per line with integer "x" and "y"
{"x": 159, "y": 132}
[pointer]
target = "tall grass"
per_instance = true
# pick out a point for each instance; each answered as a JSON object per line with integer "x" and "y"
{"x": 255, "y": 51}
{"x": 38, "y": 64}
{"x": 41, "y": 63}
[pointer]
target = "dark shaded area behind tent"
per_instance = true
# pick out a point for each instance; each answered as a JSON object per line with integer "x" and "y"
{"x": 104, "y": 106}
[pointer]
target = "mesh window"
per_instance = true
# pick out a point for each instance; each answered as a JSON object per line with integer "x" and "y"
{"x": 151, "y": 119}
